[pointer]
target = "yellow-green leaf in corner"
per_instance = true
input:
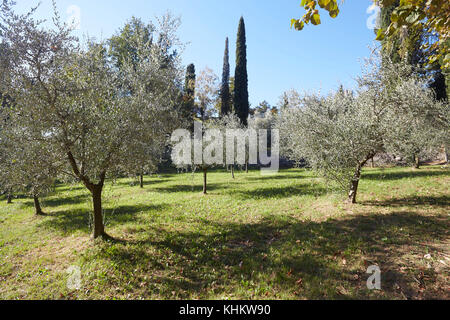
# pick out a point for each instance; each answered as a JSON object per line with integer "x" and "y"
{"x": 315, "y": 19}
{"x": 334, "y": 13}
{"x": 293, "y": 21}
{"x": 380, "y": 35}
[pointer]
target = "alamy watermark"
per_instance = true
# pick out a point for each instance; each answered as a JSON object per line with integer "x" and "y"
{"x": 74, "y": 279}
{"x": 374, "y": 281}
{"x": 211, "y": 147}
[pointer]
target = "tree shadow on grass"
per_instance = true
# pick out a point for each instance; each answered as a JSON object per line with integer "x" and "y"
{"x": 304, "y": 259}
{"x": 264, "y": 178}
{"x": 191, "y": 188}
{"x": 404, "y": 174}
{"x": 60, "y": 201}
{"x": 148, "y": 181}
{"x": 14, "y": 196}
{"x": 69, "y": 221}
{"x": 60, "y": 186}
{"x": 441, "y": 201}
{"x": 282, "y": 192}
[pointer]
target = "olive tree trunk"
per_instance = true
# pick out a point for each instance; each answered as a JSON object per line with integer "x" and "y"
{"x": 99, "y": 228}
{"x": 416, "y": 161}
{"x": 96, "y": 192}
{"x": 354, "y": 183}
{"x": 37, "y": 206}
{"x": 205, "y": 171}
{"x": 8, "y": 198}
{"x": 141, "y": 180}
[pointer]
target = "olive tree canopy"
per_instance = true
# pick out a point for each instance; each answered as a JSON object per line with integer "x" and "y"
{"x": 71, "y": 100}
{"x": 337, "y": 134}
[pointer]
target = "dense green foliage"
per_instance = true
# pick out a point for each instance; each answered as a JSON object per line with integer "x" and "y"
{"x": 124, "y": 46}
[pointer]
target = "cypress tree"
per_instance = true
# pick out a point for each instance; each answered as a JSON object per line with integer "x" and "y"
{"x": 241, "y": 103}
{"x": 225, "y": 96}
{"x": 189, "y": 93}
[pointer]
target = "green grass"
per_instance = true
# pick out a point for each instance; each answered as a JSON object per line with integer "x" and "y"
{"x": 256, "y": 237}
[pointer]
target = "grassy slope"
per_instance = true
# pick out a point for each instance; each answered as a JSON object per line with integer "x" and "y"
{"x": 257, "y": 237}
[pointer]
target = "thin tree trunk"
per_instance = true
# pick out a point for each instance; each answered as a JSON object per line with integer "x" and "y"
{"x": 99, "y": 228}
{"x": 354, "y": 186}
{"x": 232, "y": 171}
{"x": 205, "y": 170}
{"x": 416, "y": 162}
{"x": 141, "y": 180}
{"x": 8, "y": 198}
{"x": 37, "y": 206}
{"x": 246, "y": 167}
{"x": 446, "y": 155}
{"x": 373, "y": 162}
{"x": 355, "y": 180}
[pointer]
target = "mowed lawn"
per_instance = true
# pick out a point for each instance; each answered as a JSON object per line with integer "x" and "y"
{"x": 285, "y": 236}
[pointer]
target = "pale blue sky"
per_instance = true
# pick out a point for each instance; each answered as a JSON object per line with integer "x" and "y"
{"x": 279, "y": 58}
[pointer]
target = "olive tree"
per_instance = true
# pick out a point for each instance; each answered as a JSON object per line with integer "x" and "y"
{"x": 208, "y": 147}
{"x": 231, "y": 127}
{"x": 26, "y": 166}
{"x": 72, "y": 100}
{"x": 339, "y": 133}
{"x": 206, "y": 93}
{"x": 136, "y": 43}
{"x": 260, "y": 121}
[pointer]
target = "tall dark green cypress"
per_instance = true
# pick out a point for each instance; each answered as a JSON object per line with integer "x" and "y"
{"x": 189, "y": 94}
{"x": 225, "y": 96}
{"x": 241, "y": 103}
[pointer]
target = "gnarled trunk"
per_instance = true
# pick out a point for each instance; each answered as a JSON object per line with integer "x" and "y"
{"x": 99, "y": 228}
{"x": 96, "y": 192}
{"x": 356, "y": 177}
{"x": 205, "y": 171}
{"x": 37, "y": 206}
{"x": 9, "y": 198}
{"x": 353, "y": 189}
